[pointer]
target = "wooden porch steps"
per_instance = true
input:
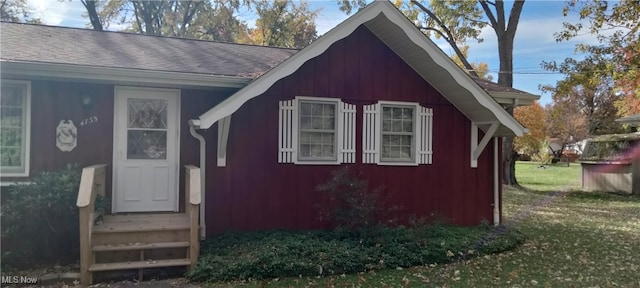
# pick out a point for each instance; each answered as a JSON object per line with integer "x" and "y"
{"x": 141, "y": 241}
{"x": 136, "y": 241}
{"x": 139, "y": 246}
{"x": 139, "y": 264}
{"x": 142, "y": 223}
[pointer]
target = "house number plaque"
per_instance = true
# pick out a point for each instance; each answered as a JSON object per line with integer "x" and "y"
{"x": 66, "y": 136}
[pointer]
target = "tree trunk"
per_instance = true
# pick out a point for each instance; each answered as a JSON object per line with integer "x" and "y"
{"x": 505, "y": 32}
{"x": 93, "y": 14}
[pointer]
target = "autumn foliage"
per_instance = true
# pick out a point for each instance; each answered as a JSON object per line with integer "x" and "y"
{"x": 533, "y": 118}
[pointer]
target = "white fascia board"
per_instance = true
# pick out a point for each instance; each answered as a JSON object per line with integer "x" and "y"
{"x": 118, "y": 75}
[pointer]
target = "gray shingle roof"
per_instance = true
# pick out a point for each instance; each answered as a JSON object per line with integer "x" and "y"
{"x": 495, "y": 87}
{"x": 60, "y": 45}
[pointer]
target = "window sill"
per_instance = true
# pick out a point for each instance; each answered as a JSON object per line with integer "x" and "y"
{"x": 316, "y": 162}
{"x": 398, "y": 163}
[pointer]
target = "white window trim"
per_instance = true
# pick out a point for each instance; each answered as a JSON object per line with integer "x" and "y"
{"x": 26, "y": 130}
{"x": 414, "y": 136}
{"x": 296, "y": 131}
{"x": 372, "y": 134}
{"x": 288, "y": 132}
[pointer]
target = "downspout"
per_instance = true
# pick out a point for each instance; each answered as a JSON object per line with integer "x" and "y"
{"x": 203, "y": 145}
{"x": 496, "y": 183}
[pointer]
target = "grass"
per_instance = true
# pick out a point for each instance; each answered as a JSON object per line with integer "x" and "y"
{"x": 550, "y": 178}
{"x": 575, "y": 239}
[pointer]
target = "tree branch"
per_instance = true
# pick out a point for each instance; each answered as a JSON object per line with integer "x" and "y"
{"x": 449, "y": 38}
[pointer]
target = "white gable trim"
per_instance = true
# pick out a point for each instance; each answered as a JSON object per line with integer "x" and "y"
{"x": 343, "y": 30}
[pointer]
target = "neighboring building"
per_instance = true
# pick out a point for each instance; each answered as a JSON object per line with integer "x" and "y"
{"x": 612, "y": 163}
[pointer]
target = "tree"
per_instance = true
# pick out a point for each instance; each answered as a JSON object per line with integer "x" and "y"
{"x": 283, "y": 23}
{"x": 92, "y": 13}
{"x": 629, "y": 83}
{"x": 532, "y": 117}
{"x": 617, "y": 53}
{"x": 565, "y": 122}
{"x": 481, "y": 68}
{"x": 589, "y": 88}
{"x": 16, "y": 11}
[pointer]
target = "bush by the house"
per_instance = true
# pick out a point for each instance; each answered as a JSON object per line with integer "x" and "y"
{"x": 259, "y": 255}
{"x": 40, "y": 219}
{"x": 350, "y": 204}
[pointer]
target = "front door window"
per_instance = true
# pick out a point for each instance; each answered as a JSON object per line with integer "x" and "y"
{"x": 147, "y": 129}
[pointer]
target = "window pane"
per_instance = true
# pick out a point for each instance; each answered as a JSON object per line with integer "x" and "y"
{"x": 329, "y": 123}
{"x": 405, "y": 152}
{"x": 11, "y": 156}
{"x": 147, "y": 113}
{"x": 407, "y": 126}
{"x": 329, "y": 110}
{"x": 305, "y": 138}
{"x": 327, "y": 138}
{"x": 327, "y": 150}
{"x": 316, "y": 123}
{"x": 11, "y": 117}
{"x": 146, "y": 144}
{"x": 397, "y": 126}
{"x": 305, "y": 122}
{"x": 12, "y": 96}
{"x": 407, "y": 113}
{"x": 12, "y": 127}
{"x": 316, "y": 109}
{"x": 305, "y": 108}
{"x": 316, "y": 151}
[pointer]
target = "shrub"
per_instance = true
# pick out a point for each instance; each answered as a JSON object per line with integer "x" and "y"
{"x": 351, "y": 205}
{"x": 40, "y": 219}
{"x": 259, "y": 255}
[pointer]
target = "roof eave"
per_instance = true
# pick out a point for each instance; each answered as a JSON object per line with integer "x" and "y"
{"x": 514, "y": 99}
{"x": 118, "y": 75}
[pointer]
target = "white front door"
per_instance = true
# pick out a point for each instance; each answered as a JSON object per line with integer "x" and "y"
{"x": 145, "y": 166}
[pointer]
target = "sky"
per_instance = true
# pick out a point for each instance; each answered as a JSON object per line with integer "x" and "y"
{"x": 534, "y": 41}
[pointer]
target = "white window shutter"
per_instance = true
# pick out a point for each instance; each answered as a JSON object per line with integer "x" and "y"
{"x": 370, "y": 134}
{"x": 347, "y": 133}
{"x": 424, "y": 135}
{"x": 286, "y": 132}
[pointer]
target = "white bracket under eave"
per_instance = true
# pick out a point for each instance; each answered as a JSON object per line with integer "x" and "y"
{"x": 477, "y": 148}
{"x": 223, "y": 137}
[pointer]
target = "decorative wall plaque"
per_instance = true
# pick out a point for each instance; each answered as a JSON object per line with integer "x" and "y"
{"x": 66, "y": 136}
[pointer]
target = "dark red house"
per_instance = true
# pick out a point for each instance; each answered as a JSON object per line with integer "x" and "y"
{"x": 265, "y": 125}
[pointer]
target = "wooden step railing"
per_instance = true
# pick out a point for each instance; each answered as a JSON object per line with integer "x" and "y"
{"x": 192, "y": 208}
{"x": 92, "y": 183}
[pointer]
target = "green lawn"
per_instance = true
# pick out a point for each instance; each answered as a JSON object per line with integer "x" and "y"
{"x": 575, "y": 239}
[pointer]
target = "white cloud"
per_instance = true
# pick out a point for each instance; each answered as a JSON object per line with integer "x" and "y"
{"x": 50, "y": 12}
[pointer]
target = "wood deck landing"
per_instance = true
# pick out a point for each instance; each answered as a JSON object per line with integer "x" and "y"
{"x": 143, "y": 222}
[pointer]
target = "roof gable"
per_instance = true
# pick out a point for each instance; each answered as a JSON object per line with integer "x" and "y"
{"x": 411, "y": 45}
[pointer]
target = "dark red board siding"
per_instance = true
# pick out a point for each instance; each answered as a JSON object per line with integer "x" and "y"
{"x": 254, "y": 192}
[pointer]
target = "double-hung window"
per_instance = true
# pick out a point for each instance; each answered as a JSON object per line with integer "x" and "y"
{"x": 397, "y": 133}
{"x": 315, "y": 130}
{"x": 14, "y": 127}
